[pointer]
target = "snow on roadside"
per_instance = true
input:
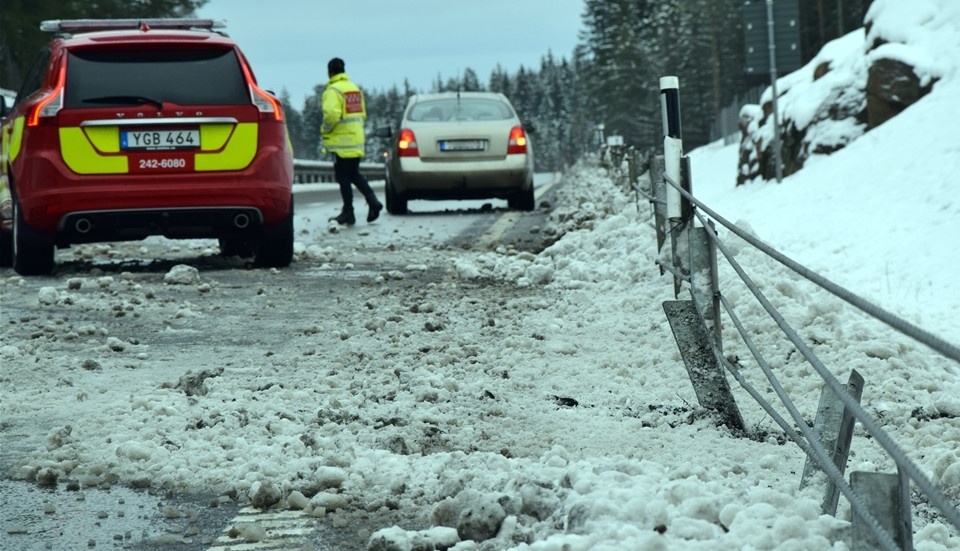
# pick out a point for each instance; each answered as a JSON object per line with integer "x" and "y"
{"x": 532, "y": 402}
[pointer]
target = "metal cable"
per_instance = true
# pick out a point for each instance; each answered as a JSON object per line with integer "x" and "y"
{"x": 673, "y": 270}
{"x": 882, "y": 438}
{"x": 943, "y": 347}
{"x": 810, "y": 444}
{"x": 641, "y": 192}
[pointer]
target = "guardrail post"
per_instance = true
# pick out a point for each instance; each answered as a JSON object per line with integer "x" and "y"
{"x": 658, "y": 192}
{"x": 672, "y": 144}
{"x": 887, "y": 499}
{"x": 709, "y": 382}
{"x": 633, "y": 166}
{"x": 676, "y": 169}
{"x": 696, "y": 255}
{"x": 834, "y": 429}
{"x": 712, "y": 306}
{"x": 692, "y": 255}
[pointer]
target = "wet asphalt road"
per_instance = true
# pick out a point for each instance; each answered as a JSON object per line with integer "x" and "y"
{"x": 65, "y": 515}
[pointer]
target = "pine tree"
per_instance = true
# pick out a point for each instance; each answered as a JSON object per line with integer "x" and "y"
{"x": 21, "y": 37}
{"x": 294, "y": 126}
{"x": 621, "y": 80}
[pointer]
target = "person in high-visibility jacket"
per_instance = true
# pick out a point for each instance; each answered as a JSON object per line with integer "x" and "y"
{"x": 344, "y": 114}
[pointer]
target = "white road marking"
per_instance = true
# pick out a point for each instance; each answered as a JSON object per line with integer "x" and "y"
{"x": 284, "y": 530}
{"x": 508, "y": 219}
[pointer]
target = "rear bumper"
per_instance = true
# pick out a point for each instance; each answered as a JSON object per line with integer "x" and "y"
{"x": 416, "y": 179}
{"x": 178, "y": 223}
{"x": 132, "y": 206}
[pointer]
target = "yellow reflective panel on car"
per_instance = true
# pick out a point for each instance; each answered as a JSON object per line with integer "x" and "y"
{"x": 94, "y": 150}
{"x": 104, "y": 138}
{"x": 214, "y": 136}
{"x": 16, "y": 139}
{"x": 4, "y": 189}
{"x": 80, "y": 155}
{"x": 236, "y": 155}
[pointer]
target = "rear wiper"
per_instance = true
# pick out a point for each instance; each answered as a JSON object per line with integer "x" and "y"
{"x": 132, "y": 100}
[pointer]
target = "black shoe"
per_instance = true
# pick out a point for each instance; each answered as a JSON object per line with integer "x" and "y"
{"x": 345, "y": 218}
{"x": 374, "y": 212}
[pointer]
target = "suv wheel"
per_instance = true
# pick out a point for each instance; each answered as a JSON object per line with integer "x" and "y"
{"x": 6, "y": 249}
{"x": 32, "y": 253}
{"x": 275, "y": 249}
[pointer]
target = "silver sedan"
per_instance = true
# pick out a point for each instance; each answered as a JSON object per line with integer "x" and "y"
{"x": 460, "y": 145}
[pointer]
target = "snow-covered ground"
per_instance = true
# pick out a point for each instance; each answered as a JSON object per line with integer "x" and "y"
{"x": 534, "y": 402}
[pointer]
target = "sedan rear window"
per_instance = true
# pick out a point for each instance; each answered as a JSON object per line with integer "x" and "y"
{"x": 184, "y": 77}
{"x": 463, "y": 109}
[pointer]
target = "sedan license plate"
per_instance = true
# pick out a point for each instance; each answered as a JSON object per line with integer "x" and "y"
{"x": 463, "y": 145}
{"x": 156, "y": 140}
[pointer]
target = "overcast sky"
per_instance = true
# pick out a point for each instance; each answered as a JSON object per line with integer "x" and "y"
{"x": 290, "y": 41}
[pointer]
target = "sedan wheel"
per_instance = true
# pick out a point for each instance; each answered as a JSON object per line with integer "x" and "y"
{"x": 523, "y": 200}
{"x": 396, "y": 204}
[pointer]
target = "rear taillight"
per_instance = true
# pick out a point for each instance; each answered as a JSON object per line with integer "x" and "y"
{"x": 265, "y": 102}
{"x": 407, "y": 144}
{"x": 50, "y": 104}
{"x": 518, "y": 141}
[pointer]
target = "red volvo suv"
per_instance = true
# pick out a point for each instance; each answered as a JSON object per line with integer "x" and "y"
{"x": 125, "y": 129}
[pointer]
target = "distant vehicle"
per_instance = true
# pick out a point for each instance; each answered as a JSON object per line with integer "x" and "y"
{"x": 460, "y": 145}
{"x": 6, "y": 101}
{"x": 7, "y": 98}
{"x": 129, "y": 128}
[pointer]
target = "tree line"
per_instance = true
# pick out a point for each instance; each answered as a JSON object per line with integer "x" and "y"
{"x": 612, "y": 76}
{"x": 610, "y": 79}
{"x": 21, "y": 37}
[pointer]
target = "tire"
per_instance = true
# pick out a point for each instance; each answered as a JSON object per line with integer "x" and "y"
{"x": 244, "y": 248}
{"x": 396, "y": 203}
{"x": 523, "y": 200}
{"x": 32, "y": 254}
{"x": 275, "y": 247}
{"x": 6, "y": 249}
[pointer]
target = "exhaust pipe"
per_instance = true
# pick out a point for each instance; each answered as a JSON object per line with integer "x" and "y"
{"x": 83, "y": 225}
{"x": 241, "y": 221}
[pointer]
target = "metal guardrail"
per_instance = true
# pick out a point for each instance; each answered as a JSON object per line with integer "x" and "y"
{"x": 890, "y": 533}
{"x": 309, "y": 172}
{"x": 880, "y": 501}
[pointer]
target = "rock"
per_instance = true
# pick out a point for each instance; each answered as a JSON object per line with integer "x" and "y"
{"x": 264, "y": 496}
{"x": 892, "y": 86}
{"x": 182, "y": 274}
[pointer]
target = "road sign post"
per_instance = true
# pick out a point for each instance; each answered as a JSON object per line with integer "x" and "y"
{"x": 772, "y": 39}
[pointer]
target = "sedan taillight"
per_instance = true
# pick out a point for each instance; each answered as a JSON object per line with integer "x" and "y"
{"x": 407, "y": 144}
{"x": 518, "y": 141}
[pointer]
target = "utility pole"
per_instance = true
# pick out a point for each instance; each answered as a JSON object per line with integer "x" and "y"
{"x": 771, "y": 38}
{"x": 839, "y": 18}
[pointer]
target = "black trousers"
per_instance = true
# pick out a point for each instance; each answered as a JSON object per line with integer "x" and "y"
{"x": 347, "y": 173}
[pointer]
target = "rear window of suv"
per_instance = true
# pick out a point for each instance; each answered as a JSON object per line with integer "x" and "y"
{"x": 185, "y": 77}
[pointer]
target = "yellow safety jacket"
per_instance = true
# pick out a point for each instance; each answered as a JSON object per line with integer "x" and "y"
{"x": 344, "y": 112}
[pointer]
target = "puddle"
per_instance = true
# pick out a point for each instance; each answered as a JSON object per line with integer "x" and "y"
{"x": 64, "y": 518}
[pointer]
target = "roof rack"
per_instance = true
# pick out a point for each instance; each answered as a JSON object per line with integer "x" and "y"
{"x": 90, "y": 25}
